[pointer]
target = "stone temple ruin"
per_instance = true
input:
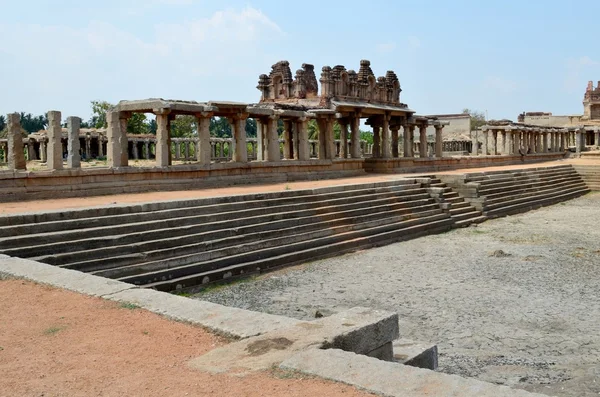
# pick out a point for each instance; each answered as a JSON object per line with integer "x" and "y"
{"x": 185, "y": 245}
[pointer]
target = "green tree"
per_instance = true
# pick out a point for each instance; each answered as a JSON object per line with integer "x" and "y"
{"x": 313, "y": 129}
{"x": 137, "y": 124}
{"x": 251, "y": 128}
{"x": 366, "y": 136}
{"x": 2, "y": 122}
{"x": 99, "y": 109}
{"x": 477, "y": 118}
{"x": 183, "y": 126}
{"x": 220, "y": 128}
{"x": 32, "y": 123}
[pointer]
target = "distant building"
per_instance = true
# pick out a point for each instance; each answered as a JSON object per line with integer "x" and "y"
{"x": 459, "y": 128}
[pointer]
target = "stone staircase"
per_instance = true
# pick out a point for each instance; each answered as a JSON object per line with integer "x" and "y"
{"x": 500, "y": 193}
{"x": 183, "y": 244}
{"x": 462, "y": 212}
{"x": 590, "y": 175}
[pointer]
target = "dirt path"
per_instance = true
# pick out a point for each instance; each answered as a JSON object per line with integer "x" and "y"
{"x": 59, "y": 343}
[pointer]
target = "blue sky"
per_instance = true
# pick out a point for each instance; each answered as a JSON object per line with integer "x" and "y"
{"x": 502, "y": 57}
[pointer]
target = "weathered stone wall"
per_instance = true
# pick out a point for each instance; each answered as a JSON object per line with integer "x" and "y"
{"x": 458, "y": 129}
{"x": 549, "y": 120}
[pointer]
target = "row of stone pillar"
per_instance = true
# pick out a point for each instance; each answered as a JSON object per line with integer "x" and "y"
{"x": 386, "y": 141}
{"x": 510, "y": 141}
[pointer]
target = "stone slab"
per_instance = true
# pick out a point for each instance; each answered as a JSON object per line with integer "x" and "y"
{"x": 391, "y": 379}
{"x": 63, "y": 278}
{"x": 416, "y": 354}
{"x": 224, "y": 320}
{"x": 359, "y": 330}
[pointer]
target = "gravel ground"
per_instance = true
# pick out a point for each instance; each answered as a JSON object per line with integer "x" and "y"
{"x": 513, "y": 301}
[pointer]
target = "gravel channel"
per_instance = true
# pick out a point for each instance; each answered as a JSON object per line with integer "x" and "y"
{"x": 513, "y": 301}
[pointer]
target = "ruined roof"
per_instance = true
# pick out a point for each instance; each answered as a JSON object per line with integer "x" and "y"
{"x": 153, "y": 105}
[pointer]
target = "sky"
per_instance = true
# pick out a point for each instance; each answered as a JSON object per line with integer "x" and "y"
{"x": 497, "y": 57}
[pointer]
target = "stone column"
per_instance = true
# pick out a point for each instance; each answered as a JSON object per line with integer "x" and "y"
{"x": 494, "y": 142}
{"x": 322, "y": 124}
{"x": 517, "y": 141}
{"x": 16, "y": 155}
{"x": 294, "y": 128}
{"x": 302, "y": 132}
{"x": 73, "y": 158}
{"x": 376, "y": 142}
{"x": 423, "y": 140}
{"x": 474, "y": 144}
{"x": 579, "y": 141}
{"x": 545, "y": 142}
{"x": 343, "y": 139}
{"x": 203, "y": 149}
{"x": 330, "y": 138}
{"x": 88, "y": 146}
{"x": 408, "y": 130}
{"x": 502, "y": 142}
{"x": 100, "y": 146}
{"x": 484, "y": 143}
{"x": 260, "y": 140}
{"x": 163, "y": 132}
{"x": 395, "y": 151}
{"x": 147, "y": 149}
{"x": 510, "y": 145}
{"x": 273, "y": 140}
{"x": 177, "y": 144}
{"x": 439, "y": 142}
{"x": 136, "y": 154}
{"x": 240, "y": 145}
{"x": 124, "y": 140}
{"x": 288, "y": 140}
{"x": 355, "y": 137}
{"x": 386, "y": 147}
{"x": 55, "y": 150}
{"x": 43, "y": 155}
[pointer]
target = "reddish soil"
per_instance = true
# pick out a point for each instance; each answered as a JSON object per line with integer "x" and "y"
{"x": 59, "y": 343}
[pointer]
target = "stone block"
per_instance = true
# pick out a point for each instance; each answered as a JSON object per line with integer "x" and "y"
{"x": 416, "y": 354}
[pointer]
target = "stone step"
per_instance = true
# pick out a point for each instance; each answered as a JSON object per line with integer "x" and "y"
{"x": 454, "y": 211}
{"x": 327, "y": 249}
{"x": 469, "y": 221}
{"x": 524, "y": 185}
{"x": 527, "y": 205}
{"x": 179, "y": 225}
{"x": 213, "y": 230}
{"x": 499, "y": 173}
{"x": 256, "y": 247}
{"x": 171, "y": 246}
{"x": 464, "y": 216}
{"x": 525, "y": 195}
{"x": 93, "y": 212}
{"x": 524, "y": 191}
{"x": 491, "y": 184}
{"x": 507, "y": 177}
{"x": 256, "y": 206}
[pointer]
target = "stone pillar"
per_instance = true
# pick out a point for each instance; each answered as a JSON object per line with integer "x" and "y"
{"x": 73, "y": 158}
{"x": 395, "y": 151}
{"x": 502, "y": 142}
{"x": 203, "y": 148}
{"x": 88, "y": 146}
{"x": 239, "y": 154}
{"x": 579, "y": 141}
{"x": 134, "y": 148}
{"x": 386, "y": 147}
{"x": 100, "y": 146}
{"x": 423, "y": 140}
{"x": 439, "y": 143}
{"x": 16, "y": 155}
{"x": 177, "y": 144}
{"x": 43, "y": 155}
{"x": 163, "y": 147}
{"x": 355, "y": 137}
{"x": 510, "y": 145}
{"x": 273, "y": 140}
{"x": 288, "y": 140}
{"x": 330, "y": 138}
{"x": 474, "y": 144}
{"x": 55, "y": 150}
{"x": 376, "y": 142}
{"x": 516, "y": 141}
{"x": 484, "y": 143}
{"x": 343, "y": 139}
{"x": 124, "y": 140}
{"x": 147, "y": 149}
{"x": 260, "y": 140}
{"x": 494, "y": 142}
{"x": 294, "y": 128}
{"x": 408, "y": 131}
{"x": 545, "y": 142}
{"x": 302, "y": 132}
{"x": 322, "y": 124}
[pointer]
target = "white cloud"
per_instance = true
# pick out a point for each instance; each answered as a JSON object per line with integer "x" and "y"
{"x": 386, "y": 47}
{"x": 499, "y": 84}
{"x": 53, "y": 64}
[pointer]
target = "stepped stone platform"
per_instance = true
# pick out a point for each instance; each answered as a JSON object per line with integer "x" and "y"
{"x": 504, "y": 192}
